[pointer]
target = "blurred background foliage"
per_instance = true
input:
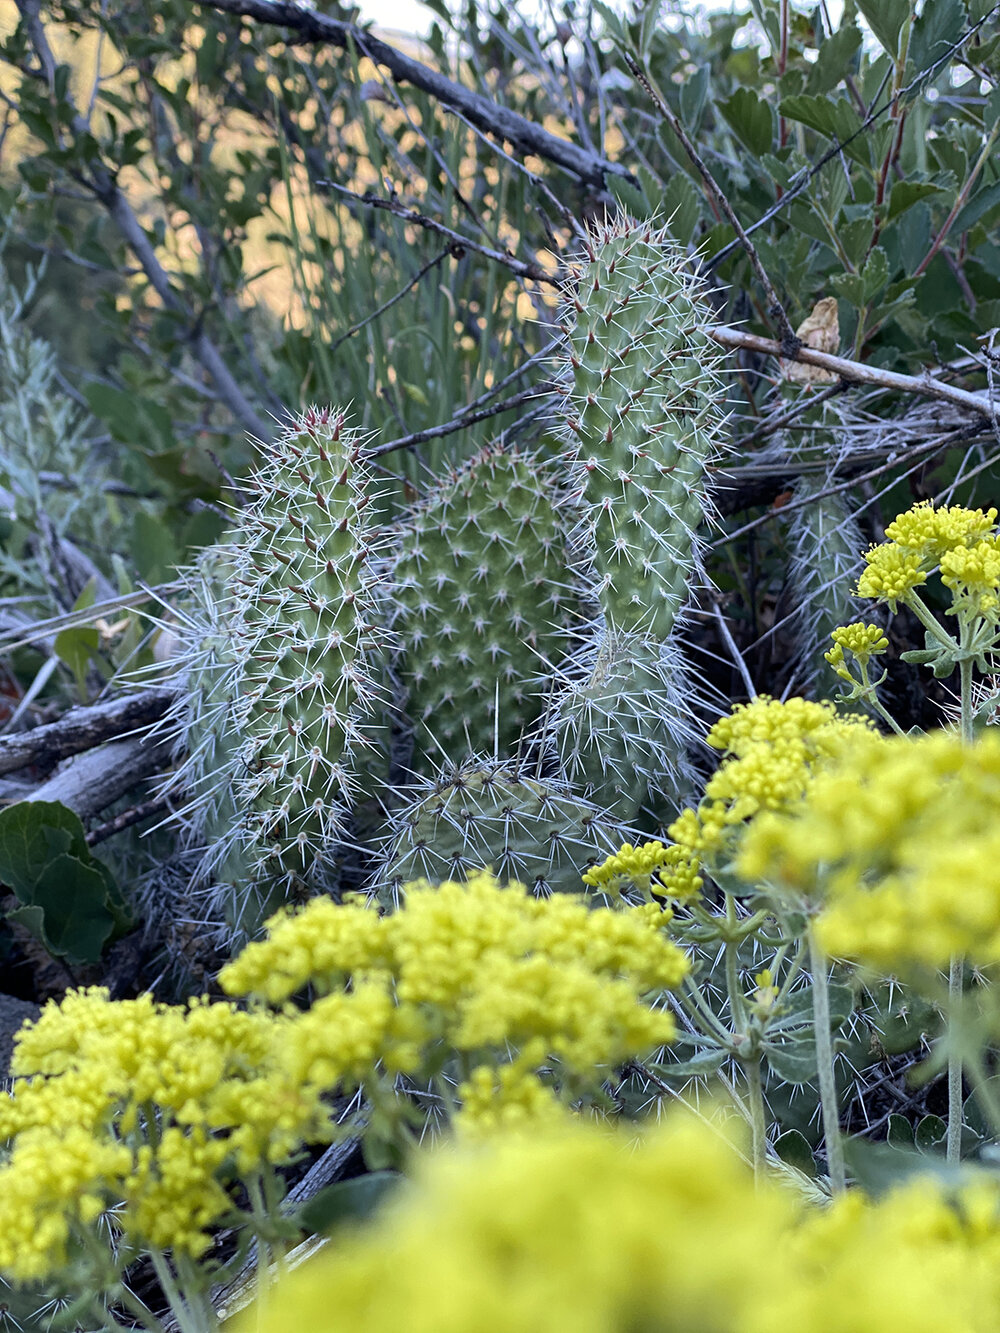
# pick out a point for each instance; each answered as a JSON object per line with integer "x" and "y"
{"x": 185, "y": 189}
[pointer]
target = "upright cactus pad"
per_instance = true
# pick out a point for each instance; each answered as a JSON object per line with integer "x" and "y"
{"x": 278, "y": 684}
{"x": 480, "y": 604}
{"x": 644, "y": 404}
{"x": 486, "y": 814}
{"x": 308, "y": 621}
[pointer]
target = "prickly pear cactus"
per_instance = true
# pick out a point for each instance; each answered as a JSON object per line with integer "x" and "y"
{"x": 278, "y": 679}
{"x": 481, "y": 602}
{"x": 644, "y": 405}
{"x": 624, "y": 725}
{"x": 530, "y": 829}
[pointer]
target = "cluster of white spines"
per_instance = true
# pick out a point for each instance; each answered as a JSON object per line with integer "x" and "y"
{"x": 279, "y": 690}
{"x": 305, "y": 553}
{"x": 644, "y": 404}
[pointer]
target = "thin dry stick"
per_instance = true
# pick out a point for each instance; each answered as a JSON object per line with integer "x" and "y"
{"x": 856, "y": 372}
{"x": 458, "y": 242}
{"x": 135, "y": 814}
{"x": 456, "y": 424}
{"x": 932, "y": 447}
{"x": 22, "y": 635}
{"x": 387, "y": 305}
{"x": 776, "y": 311}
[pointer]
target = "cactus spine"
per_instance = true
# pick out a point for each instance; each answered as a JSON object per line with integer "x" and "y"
{"x": 480, "y": 602}
{"x": 482, "y": 813}
{"x": 644, "y": 405}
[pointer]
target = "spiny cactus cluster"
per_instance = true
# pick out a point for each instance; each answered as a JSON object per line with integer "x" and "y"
{"x": 280, "y": 688}
{"x": 526, "y": 607}
{"x": 531, "y": 829}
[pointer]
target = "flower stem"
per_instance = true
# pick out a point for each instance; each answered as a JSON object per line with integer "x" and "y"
{"x": 702, "y": 1015}
{"x": 824, "y": 1061}
{"x": 178, "y": 1306}
{"x": 965, "y": 675}
{"x": 731, "y": 947}
{"x": 758, "y": 1117}
{"x": 954, "y": 1139}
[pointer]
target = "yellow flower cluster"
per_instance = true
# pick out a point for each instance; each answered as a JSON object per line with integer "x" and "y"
{"x": 156, "y": 1109}
{"x": 972, "y": 574}
{"x": 508, "y": 1097}
{"x": 891, "y": 574}
{"x": 962, "y": 541}
{"x": 772, "y": 750}
{"x": 901, "y": 839}
{"x": 571, "y": 1231}
{"x": 137, "y": 1103}
{"x": 673, "y": 872}
{"x": 481, "y": 968}
{"x": 860, "y": 640}
{"x": 930, "y": 532}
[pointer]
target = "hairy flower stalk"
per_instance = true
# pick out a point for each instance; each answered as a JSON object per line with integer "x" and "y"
{"x": 644, "y": 406}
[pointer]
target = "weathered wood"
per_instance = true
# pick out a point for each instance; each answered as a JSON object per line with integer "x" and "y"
{"x": 90, "y": 781}
{"x": 83, "y": 729}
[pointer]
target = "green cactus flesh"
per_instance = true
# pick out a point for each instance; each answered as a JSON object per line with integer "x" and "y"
{"x": 481, "y": 603}
{"x": 529, "y": 829}
{"x": 622, "y": 726}
{"x": 644, "y": 403}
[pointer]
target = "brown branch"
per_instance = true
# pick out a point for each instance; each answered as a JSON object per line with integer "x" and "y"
{"x": 855, "y": 372}
{"x": 135, "y": 814}
{"x": 310, "y": 25}
{"x": 82, "y": 729}
{"x": 456, "y": 424}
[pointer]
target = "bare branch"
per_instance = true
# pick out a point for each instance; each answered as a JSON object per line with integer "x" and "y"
{"x": 82, "y": 729}
{"x": 855, "y": 372}
{"x": 457, "y": 242}
{"x": 313, "y": 26}
{"x": 456, "y": 424}
{"x": 135, "y": 814}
